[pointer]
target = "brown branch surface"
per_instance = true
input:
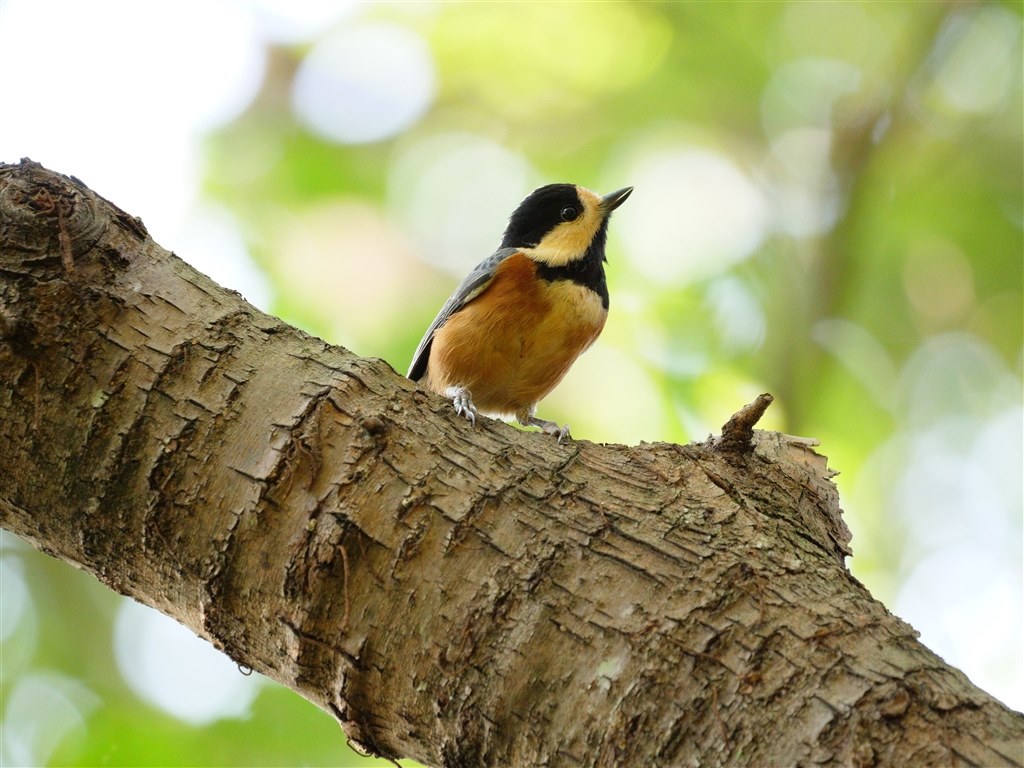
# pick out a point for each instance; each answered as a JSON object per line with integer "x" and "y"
{"x": 463, "y": 596}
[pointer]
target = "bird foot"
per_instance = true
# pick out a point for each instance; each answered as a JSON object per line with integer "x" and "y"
{"x": 548, "y": 427}
{"x": 463, "y": 402}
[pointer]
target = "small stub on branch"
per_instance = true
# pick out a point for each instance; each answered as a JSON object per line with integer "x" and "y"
{"x": 738, "y": 432}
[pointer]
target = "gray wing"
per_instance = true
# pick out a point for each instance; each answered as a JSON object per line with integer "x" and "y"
{"x": 472, "y": 286}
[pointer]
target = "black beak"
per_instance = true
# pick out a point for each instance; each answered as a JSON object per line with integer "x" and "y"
{"x": 613, "y": 200}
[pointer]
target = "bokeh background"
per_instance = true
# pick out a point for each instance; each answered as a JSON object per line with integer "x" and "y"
{"x": 828, "y": 207}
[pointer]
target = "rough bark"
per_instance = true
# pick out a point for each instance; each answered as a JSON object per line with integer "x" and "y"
{"x": 463, "y": 596}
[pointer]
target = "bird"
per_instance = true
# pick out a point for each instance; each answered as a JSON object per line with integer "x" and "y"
{"x": 519, "y": 320}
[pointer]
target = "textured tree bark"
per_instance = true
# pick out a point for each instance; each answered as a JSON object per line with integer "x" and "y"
{"x": 464, "y": 596}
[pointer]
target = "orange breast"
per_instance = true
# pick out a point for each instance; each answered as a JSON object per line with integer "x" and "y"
{"x": 514, "y": 342}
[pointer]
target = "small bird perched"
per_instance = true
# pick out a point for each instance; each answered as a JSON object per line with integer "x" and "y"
{"x": 520, "y": 319}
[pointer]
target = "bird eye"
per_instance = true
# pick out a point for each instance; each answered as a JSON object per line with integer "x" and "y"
{"x": 569, "y": 213}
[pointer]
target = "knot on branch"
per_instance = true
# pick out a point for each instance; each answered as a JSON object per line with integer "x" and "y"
{"x": 824, "y": 519}
{"x": 738, "y": 432}
{"x": 45, "y": 213}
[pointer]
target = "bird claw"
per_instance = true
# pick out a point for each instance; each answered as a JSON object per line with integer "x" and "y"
{"x": 463, "y": 403}
{"x": 464, "y": 406}
{"x": 549, "y": 428}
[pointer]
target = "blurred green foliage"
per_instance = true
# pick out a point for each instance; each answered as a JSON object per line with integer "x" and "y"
{"x": 858, "y": 167}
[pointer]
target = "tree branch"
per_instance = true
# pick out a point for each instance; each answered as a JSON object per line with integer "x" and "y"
{"x": 460, "y": 595}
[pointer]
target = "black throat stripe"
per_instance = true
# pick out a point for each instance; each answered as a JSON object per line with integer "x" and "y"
{"x": 587, "y": 272}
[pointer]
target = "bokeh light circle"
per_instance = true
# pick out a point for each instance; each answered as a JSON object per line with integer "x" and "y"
{"x": 367, "y": 82}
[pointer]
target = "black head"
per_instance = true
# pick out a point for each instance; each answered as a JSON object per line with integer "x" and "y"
{"x": 543, "y": 210}
{"x": 562, "y": 223}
